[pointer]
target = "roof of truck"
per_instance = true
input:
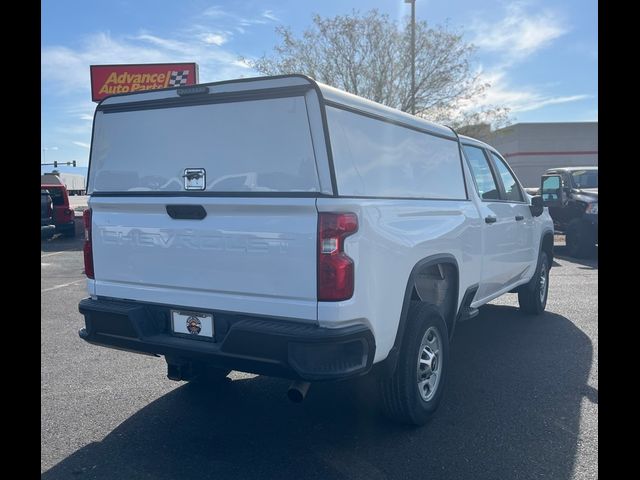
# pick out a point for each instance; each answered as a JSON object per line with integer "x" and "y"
{"x": 336, "y": 96}
{"x": 330, "y": 95}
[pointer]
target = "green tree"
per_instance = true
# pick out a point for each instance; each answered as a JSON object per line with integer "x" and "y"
{"x": 369, "y": 55}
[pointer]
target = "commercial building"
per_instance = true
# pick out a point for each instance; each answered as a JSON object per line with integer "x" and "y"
{"x": 532, "y": 148}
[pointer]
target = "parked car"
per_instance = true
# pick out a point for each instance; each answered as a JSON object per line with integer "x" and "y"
{"x": 63, "y": 215}
{"x": 575, "y": 209}
{"x": 47, "y": 228}
{"x": 288, "y": 228}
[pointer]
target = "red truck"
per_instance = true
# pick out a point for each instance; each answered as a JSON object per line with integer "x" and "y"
{"x": 63, "y": 215}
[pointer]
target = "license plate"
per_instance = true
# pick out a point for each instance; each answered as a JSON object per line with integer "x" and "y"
{"x": 194, "y": 324}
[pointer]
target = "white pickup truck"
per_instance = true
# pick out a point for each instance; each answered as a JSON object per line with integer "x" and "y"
{"x": 283, "y": 227}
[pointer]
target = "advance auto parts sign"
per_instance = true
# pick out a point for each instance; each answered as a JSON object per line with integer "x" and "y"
{"x": 112, "y": 79}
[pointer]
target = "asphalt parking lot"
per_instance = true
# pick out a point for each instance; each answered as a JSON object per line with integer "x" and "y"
{"x": 521, "y": 402}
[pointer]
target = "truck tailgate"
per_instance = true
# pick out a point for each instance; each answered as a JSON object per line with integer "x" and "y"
{"x": 250, "y": 255}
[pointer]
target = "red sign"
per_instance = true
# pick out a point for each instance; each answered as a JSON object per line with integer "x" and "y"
{"x": 112, "y": 79}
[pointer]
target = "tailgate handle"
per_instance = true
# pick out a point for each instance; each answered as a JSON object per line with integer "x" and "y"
{"x": 186, "y": 212}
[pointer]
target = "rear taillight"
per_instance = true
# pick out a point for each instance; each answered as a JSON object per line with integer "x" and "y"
{"x": 87, "y": 248}
{"x": 335, "y": 268}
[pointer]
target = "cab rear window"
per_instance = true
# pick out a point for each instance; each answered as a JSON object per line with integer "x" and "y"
{"x": 57, "y": 196}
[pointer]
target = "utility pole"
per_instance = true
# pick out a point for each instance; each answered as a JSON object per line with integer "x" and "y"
{"x": 44, "y": 153}
{"x": 413, "y": 55}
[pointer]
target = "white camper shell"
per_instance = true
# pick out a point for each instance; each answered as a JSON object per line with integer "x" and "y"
{"x": 296, "y": 228}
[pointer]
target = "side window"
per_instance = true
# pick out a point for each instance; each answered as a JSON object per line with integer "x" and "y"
{"x": 511, "y": 187}
{"x": 374, "y": 158}
{"x": 481, "y": 171}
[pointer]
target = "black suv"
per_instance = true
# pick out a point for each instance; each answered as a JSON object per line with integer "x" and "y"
{"x": 574, "y": 191}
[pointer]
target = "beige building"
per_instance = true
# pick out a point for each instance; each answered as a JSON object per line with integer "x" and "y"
{"x": 532, "y": 148}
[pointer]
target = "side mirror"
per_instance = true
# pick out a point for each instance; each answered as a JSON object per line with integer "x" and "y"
{"x": 553, "y": 195}
{"x": 537, "y": 206}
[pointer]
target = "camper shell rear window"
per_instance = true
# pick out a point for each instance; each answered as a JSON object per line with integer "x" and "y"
{"x": 262, "y": 145}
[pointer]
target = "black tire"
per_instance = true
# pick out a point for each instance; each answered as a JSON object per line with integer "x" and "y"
{"x": 580, "y": 239}
{"x": 47, "y": 233}
{"x": 530, "y": 298}
{"x": 400, "y": 392}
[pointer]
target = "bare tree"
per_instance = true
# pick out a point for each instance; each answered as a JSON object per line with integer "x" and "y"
{"x": 369, "y": 55}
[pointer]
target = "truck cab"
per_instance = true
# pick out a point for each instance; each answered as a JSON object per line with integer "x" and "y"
{"x": 575, "y": 210}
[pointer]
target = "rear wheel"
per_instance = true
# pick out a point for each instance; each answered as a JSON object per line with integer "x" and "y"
{"x": 532, "y": 297}
{"x": 412, "y": 394}
{"x": 47, "y": 233}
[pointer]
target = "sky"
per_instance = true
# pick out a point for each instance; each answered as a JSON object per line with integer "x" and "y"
{"x": 540, "y": 56}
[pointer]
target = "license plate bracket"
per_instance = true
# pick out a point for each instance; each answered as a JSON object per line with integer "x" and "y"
{"x": 196, "y": 325}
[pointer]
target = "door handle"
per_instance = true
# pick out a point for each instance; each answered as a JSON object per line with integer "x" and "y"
{"x": 519, "y": 217}
{"x": 186, "y": 212}
{"x": 490, "y": 219}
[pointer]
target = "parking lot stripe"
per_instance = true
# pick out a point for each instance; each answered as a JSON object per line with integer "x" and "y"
{"x": 54, "y": 253}
{"x": 61, "y": 286}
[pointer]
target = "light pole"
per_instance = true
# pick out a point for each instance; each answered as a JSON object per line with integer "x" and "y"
{"x": 44, "y": 153}
{"x": 413, "y": 55}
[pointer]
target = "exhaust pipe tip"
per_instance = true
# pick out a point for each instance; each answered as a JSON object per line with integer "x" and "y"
{"x": 298, "y": 391}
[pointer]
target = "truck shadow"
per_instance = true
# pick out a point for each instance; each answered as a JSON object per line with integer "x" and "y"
{"x": 590, "y": 263}
{"x": 511, "y": 409}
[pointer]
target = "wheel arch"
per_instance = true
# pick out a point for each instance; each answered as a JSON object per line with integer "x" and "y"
{"x": 449, "y": 301}
{"x": 546, "y": 245}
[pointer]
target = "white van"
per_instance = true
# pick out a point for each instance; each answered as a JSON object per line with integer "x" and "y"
{"x": 283, "y": 227}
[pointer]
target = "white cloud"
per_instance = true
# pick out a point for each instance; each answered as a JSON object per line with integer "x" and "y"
{"x": 241, "y": 62}
{"x": 70, "y": 129}
{"x": 523, "y": 98}
{"x": 534, "y": 104}
{"x": 214, "y": 38}
{"x": 269, "y": 15}
{"x": 519, "y": 33}
{"x": 215, "y": 11}
{"x": 219, "y": 13}
{"x": 81, "y": 144}
{"x": 162, "y": 43}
